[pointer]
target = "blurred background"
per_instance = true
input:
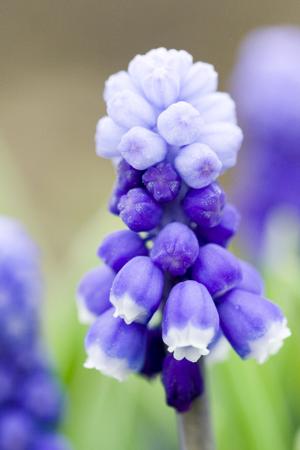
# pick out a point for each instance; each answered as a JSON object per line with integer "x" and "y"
{"x": 55, "y": 58}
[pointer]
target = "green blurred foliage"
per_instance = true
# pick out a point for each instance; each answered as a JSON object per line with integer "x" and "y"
{"x": 254, "y": 407}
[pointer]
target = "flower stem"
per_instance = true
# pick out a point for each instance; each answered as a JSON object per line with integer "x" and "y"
{"x": 195, "y": 428}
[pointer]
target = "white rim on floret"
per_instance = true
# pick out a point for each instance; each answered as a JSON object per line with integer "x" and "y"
{"x": 189, "y": 342}
{"x": 270, "y": 343}
{"x": 127, "y": 309}
{"x": 112, "y": 367}
{"x": 85, "y": 316}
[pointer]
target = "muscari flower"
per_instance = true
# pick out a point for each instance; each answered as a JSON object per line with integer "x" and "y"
{"x": 174, "y": 293}
{"x": 266, "y": 85}
{"x": 31, "y": 399}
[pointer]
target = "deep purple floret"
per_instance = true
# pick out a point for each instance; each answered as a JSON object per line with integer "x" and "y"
{"x": 226, "y": 229}
{"x": 162, "y": 181}
{"x": 114, "y": 199}
{"x": 155, "y": 353}
{"x": 204, "y": 206}
{"x": 175, "y": 249}
{"x": 127, "y": 177}
{"x": 183, "y": 382}
{"x": 139, "y": 211}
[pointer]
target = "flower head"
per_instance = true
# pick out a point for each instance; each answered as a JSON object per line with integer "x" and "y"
{"x": 174, "y": 293}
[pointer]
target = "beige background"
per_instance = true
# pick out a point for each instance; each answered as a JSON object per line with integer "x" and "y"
{"x": 55, "y": 56}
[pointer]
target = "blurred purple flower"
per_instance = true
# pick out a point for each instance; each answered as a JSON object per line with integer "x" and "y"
{"x": 266, "y": 86}
{"x": 31, "y": 399}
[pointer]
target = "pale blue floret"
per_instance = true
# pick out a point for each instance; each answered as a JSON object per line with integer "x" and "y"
{"x": 200, "y": 80}
{"x": 216, "y": 107}
{"x": 198, "y": 165}
{"x": 107, "y": 138}
{"x": 161, "y": 87}
{"x": 118, "y": 82}
{"x": 142, "y": 148}
{"x": 225, "y": 139}
{"x": 180, "y": 124}
{"x": 142, "y": 65}
{"x": 129, "y": 109}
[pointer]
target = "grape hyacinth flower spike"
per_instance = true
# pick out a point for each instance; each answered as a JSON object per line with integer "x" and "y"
{"x": 169, "y": 292}
{"x": 31, "y": 399}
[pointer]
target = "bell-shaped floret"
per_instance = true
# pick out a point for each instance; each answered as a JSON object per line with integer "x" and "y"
{"x": 190, "y": 321}
{"x": 137, "y": 290}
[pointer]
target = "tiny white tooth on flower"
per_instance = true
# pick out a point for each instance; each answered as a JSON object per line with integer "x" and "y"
{"x": 190, "y": 321}
{"x": 198, "y": 165}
